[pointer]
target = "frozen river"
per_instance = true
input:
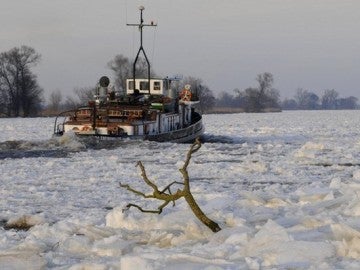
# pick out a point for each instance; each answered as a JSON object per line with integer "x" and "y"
{"x": 284, "y": 188}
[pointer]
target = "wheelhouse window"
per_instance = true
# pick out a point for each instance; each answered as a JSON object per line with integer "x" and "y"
{"x": 144, "y": 85}
{"x": 157, "y": 86}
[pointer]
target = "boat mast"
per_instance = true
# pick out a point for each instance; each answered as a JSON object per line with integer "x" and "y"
{"x": 141, "y": 49}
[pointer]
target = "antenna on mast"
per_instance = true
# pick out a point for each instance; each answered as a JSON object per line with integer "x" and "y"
{"x": 141, "y": 49}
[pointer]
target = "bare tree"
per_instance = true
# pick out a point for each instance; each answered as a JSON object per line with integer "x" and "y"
{"x": 268, "y": 97}
{"x": 289, "y": 104}
{"x": 122, "y": 69}
{"x": 55, "y": 100}
{"x": 71, "y": 103}
{"x": 225, "y": 100}
{"x": 85, "y": 94}
{"x": 252, "y": 100}
{"x": 257, "y": 99}
{"x": 4, "y": 101}
{"x": 167, "y": 196}
{"x": 301, "y": 97}
{"x": 349, "y": 103}
{"x": 329, "y": 99}
{"x": 272, "y": 99}
{"x": 306, "y": 100}
{"x": 20, "y": 92}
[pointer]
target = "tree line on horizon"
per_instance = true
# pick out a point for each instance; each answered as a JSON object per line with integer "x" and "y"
{"x": 21, "y": 95}
{"x": 302, "y": 100}
{"x": 329, "y": 100}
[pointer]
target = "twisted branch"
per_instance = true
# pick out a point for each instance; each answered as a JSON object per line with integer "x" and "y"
{"x": 167, "y": 196}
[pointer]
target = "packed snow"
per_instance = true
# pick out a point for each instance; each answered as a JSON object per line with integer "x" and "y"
{"x": 284, "y": 188}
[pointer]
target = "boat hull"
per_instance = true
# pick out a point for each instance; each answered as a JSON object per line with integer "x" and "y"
{"x": 184, "y": 135}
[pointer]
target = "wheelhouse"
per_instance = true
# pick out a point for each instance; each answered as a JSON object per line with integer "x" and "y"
{"x": 158, "y": 87}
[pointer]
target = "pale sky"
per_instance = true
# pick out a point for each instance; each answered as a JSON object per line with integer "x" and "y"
{"x": 309, "y": 44}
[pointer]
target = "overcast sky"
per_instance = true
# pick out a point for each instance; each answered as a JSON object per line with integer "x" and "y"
{"x": 309, "y": 44}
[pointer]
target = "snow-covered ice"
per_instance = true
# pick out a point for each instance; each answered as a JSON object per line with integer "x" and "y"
{"x": 284, "y": 188}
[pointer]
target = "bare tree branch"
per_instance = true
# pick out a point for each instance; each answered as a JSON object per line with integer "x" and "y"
{"x": 141, "y": 209}
{"x": 168, "y": 186}
{"x": 145, "y": 178}
{"x": 167, "y": 196}
{"x": 135, "y": 191}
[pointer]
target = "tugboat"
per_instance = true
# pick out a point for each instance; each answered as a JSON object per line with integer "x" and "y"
{"x": 150, "y": 110}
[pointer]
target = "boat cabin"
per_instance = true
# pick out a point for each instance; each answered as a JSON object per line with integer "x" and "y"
{"x": 158, "y": 87}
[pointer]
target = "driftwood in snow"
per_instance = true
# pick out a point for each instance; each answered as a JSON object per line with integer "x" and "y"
{"x": 167, "y": 196}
